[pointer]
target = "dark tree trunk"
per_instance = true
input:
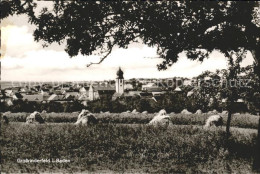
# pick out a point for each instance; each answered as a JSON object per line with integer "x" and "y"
{"x": 230, "y": 105}
{"x": 256, "y": 163}
{"x": 228, "y": 124}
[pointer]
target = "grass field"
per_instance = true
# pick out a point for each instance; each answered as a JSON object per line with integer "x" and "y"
{"x": 129, "y": 147}
{"x": 242, "y": 121}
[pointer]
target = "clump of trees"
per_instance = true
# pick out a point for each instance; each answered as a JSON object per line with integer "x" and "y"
{"x": 30, "y": 106}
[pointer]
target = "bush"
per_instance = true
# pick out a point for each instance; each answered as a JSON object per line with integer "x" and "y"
{"x": 31, "y": 106}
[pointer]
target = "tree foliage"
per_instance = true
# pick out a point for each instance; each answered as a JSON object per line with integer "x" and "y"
{"x": 197, "y": 28}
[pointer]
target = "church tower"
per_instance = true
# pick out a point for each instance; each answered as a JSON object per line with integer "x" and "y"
{"x": 120, "y": 81}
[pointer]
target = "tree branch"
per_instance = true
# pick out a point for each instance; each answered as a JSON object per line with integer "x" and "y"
{"x": 102, "y": 59}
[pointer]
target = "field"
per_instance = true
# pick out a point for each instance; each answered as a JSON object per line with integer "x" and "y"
{"x": 123, "y": 143}
{"x": 241, "y": 121}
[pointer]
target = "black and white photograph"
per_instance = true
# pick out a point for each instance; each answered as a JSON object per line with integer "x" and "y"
{"x": 130, "y": 86}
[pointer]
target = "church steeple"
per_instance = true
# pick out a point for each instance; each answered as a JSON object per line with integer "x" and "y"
{"x": 120, "y": 81}
{"x": 120, "y": 74}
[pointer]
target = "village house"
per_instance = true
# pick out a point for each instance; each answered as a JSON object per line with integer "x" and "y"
{"x": 15, "y": 89}
{"x": 128, "y": 86}
{"x": 131, "y": 94}
{"x": 45, "y": 91}
{"x": 148, "y": 85}
{"x": 177, "y": 89}
{"x": 75, "y": 93}
{"x": 24, "y": 90}
{"x": 9, "y": 92}
{"x": 4, "y": 98}
{"x": 187, "y": 82}
{"x": 96, "y": 92}
{"x": 17, "y": 96}
{"x": 33, "y": 97}
{"x": 84, "y": 90}
{"x": 55, "y": 97}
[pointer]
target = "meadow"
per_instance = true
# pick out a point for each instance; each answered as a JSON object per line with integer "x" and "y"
{"x": 130, "y": 147}
{"x": 242, "y": 120}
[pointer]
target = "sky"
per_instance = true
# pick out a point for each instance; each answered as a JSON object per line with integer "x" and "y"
{"x": 24, "y": 59}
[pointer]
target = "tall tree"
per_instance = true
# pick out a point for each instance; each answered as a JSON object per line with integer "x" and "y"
{"x": 197, "y": 28}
